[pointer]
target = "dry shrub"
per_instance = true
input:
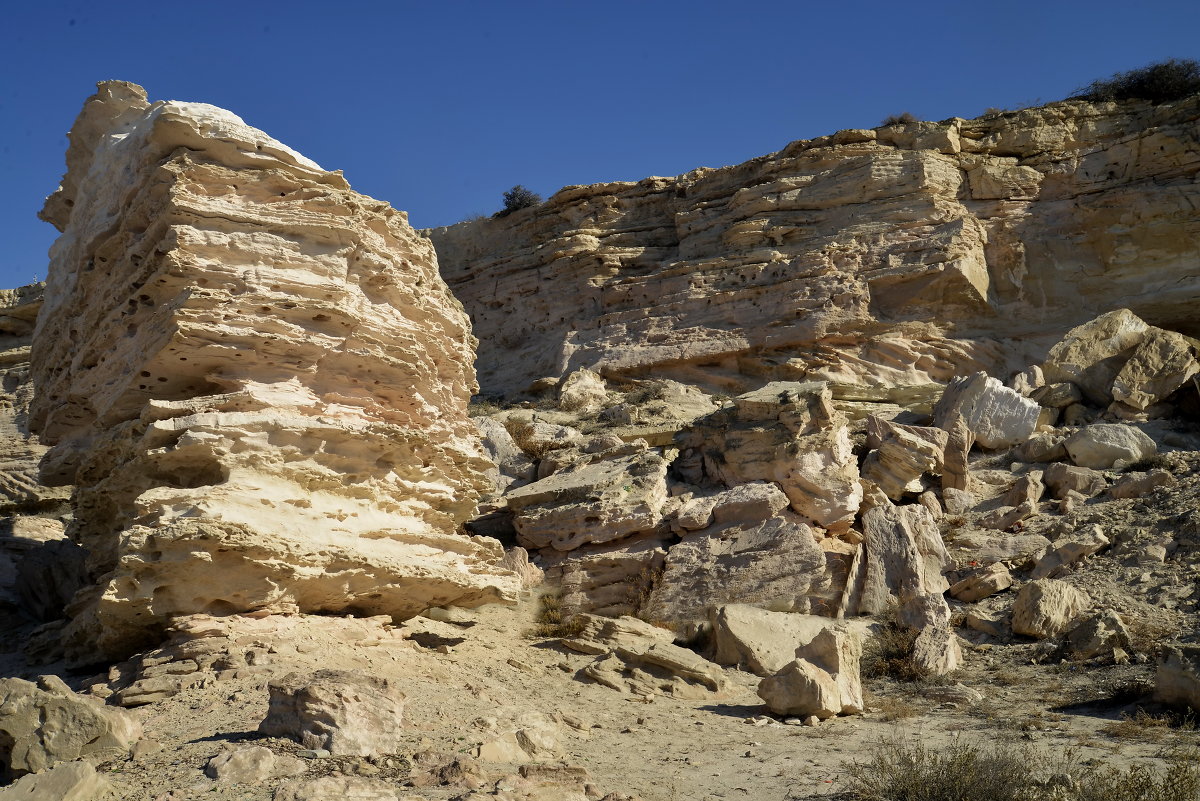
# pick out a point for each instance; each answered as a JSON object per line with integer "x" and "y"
{"x": 1143, "y": 725}
{"x": 903, "y": 118}
{"x": 1173, "y": 79}
{"x": 893, "y": 708}
{"x": 889, "y": 654}
{"x": 900, "y": 771}
{"x": 552, "y": 622}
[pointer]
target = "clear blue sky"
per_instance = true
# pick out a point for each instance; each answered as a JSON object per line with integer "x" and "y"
{"x": 440, "y": 106}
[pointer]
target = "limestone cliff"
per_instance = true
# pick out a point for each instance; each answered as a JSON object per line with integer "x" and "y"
{"x": 256, "y": 379}
{"x": 903, "y": 255}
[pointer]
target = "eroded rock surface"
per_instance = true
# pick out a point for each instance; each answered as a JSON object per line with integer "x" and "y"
{"x": 905, "y": 255}
{"x": 255, "y": 377}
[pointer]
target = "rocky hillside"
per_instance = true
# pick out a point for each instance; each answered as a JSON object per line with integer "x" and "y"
{"x": 891, "y": 437}
{"x": 904, "y": 255}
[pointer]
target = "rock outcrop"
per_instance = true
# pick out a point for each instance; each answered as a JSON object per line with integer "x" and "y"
{"x": 256, "y": 379}
{"x": 905, "y": 255}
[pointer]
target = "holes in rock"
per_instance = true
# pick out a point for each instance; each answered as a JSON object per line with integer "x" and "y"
{"x": 220, "y": 608}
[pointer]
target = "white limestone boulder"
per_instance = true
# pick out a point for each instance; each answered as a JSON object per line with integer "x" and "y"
{"x": 998, "y": 416}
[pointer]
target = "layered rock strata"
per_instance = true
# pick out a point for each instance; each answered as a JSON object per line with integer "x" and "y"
{"x": 905, "y": 255}
{"x": 39, "y": 568}
{"x": 256, "y": 379}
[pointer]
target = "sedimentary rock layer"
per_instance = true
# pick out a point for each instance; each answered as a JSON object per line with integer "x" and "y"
{"x": 256, "y": 378}
{"x": 904, "y": 255}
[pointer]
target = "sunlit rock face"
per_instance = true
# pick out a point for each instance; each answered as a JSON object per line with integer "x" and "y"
{"x": 255, "y": 377}
{"x": 904, "y": 255}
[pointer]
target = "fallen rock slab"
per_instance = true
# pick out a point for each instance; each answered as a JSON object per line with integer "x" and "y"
{"x": 762, "y": 641}
{"x": 987, "y": 582}
{"x": 343, "y": 712}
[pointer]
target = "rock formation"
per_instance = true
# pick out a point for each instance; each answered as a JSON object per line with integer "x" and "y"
{"x": 905, "y": 255}
{"x": 256, "y": 379}
{"x": 39, "y": 568}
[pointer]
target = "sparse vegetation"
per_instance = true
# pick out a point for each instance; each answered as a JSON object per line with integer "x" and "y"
{"x": 551, "y": 620}
{"x": 1173, "y": 79}
{"x": 889, "y": 653}
{"x": 903, "y": 118}
{"x": 518, "y": 198}
{"x": 1143, "y": 725}
{"x": 901, "y": 771}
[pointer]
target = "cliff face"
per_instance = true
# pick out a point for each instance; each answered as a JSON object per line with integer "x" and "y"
{"x": 902, "y": 255}
{"x": 256, "y": 379}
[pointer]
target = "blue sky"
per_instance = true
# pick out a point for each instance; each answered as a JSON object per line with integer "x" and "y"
{"x": 438, "y": 107}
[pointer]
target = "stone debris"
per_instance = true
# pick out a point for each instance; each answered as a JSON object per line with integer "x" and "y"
{"x": 788, "y": 433}
{"x": 350, "y": 788}
{"x": 641, "y": 659}
{"x": 606, "y": 500}
{"x": 1092, "y": 354}
{"x": 983, "y": 583}
{"x": 1047, "y": 607}
{"x": 823, "y": 680}
{"x": 342, "y": 712}
{"x": 1066, "y": 553}
{"x": 257, "y": 379}
{"x": 1102, "y": 445}
{"x": 46, "y": 723}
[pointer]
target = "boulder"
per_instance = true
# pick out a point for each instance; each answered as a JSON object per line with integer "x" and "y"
{"x": 823, "y": 680}
{"x": 512, "y": 466}
{"x": 597, "y": 502}
{"x": 1177, "y": 680}
{"x": 997, "y": 416}
{"x": 582, "y": 392}
{"x": 957, "y": 501}
{"x": 1028, "y": 489}
{"x": 1092, "y": 354}
{"x": 1135, "y": 485}
{"x": 956, "y": 466}
{"x": 1047, "y": 607}
{"x": 1101, "y": 634}
{"x": 1003, "y": 518}
{"x": 903, "y": 556}
{"x": 1063, "y": 478}
{"x": 935, "y": 651}
{"x": 984, "y": 547}
{"x": 1161, "y": 364}
{"x": 610, "y": 580}
{"x": 46, "y": 723}
{"x": 252, "y": 764}
{"x": 1102, "y": 445}
{"x": 70, "y": 781}
{"x": 1045, "y": 446}
{"x": 1057, "y": 396}
{"x": 902, "y": 456}
{"x": 342, "y": 712}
